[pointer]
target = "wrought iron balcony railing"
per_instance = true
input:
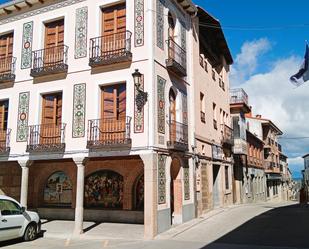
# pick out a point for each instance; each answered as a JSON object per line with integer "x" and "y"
{"x": 110, "y": 49}
{"x": 178, "y": 136}
{"x": 7, "y": 69}
{"x": 238, "y": 96}
{"x": 5, "y": 141}
{"x": 177, "y": 58}
{"x": 46, "y": 138}
{"x": 109, "y": 132}
{"x": 227, "y": 135}
{"x": 51, "y": 60}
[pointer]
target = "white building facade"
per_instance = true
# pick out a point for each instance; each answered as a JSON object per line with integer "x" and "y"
{"x": 95, "y": 112}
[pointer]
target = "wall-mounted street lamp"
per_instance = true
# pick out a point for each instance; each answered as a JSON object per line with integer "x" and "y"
{"x": 141, "y": 97}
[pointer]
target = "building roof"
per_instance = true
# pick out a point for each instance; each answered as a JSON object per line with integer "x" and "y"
{"x": 16, "y": 5}
{"x": 211, "y": 30}
{"x": 255, "y": 137}
{"x": 267, "y": 122}
{"x": 307, "y": 155}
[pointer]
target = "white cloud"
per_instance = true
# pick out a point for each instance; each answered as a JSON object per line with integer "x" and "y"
{"x": 273, "y": 96}
{"x": 246, "y": 61}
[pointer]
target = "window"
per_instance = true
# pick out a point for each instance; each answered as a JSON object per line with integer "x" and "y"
{"x": 4, "y": 108}
{"x": 9, "y": 208}
{"x": 214, "y": 108}
{"x": 213, "y": 75}
{"x": 54, "y": 33}
{"x": 6, "y": 52}
{"x": 114, "y": 101}
{"x": 114, "y": 19}
{"x": 6, "y": 45}
{"x": 202, "y": 107}
{"x": 227, "y": 183}
{"x": 52, "y": 108}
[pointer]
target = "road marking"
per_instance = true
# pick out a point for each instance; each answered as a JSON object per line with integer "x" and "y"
{"x": 67, "y": 243}
{"x": 105, "y": 243}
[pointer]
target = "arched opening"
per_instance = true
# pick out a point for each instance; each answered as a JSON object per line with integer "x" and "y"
{"x": 176, "y": 192}
{"x": 58, "y": 190}
{"x": 139, "y": 193}
{"x": 172, "y": 121}
{"x": 104, "y": 189}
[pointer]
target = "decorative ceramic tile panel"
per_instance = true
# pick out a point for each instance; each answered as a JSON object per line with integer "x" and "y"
{"x": 161, "y": 179}
{"x": 79, "y": 110}
{"x": 23, "y": 113}
{"x": 161, "y": 139}
{"x": 160, "y": 24}
{"x": 183, "y": 34}
{"x": 139, "y": 23}
{"x": 138, "y": 113}
{"x": 186, "y": 181}
{"x": 184, "y": 108}
{"x": 26, "y": 51}
{"x": 81, "y": 24}
{"x": 161, "y": 104}
{"x": 51, "y": 7}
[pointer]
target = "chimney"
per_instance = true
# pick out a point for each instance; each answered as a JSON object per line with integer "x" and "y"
{"x": 249, "y": 114}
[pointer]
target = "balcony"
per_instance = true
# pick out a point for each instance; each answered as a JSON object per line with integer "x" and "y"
{"x": 177, "y": 58}
{"x": 203, "y": 117}
{"x": 7, "y": 69}
{"x": 109, "y": 133}
{"x": 46, "y": 138}
{"x": 217, "y": 152}
{"x": 239, "y": 99}
{"x": 227, "y": 135}
{"x": 271, "y": 167}
{"x": 53, "y": 60}
{"x": 110, "y": 49}
{"x": 5, "y": 141}
{"x": 178, "y": 136}
{"x": 240, "y": 146}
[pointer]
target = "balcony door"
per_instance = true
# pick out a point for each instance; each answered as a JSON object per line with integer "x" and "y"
{"x": 4, "y": 108}
{"x": 6, "y": 52}
{"x": 50, "y": 131}
{"x": 172, "y": 99}
{"x": 113, "y": 113}
{"x": 54, "y": 41}
{"x": 114, "y": 28}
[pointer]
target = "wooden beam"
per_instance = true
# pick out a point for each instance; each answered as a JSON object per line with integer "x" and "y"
{"x": 29, "y": 4}
{"x": 7, "y": 11}
{"x": 17, "y": 7}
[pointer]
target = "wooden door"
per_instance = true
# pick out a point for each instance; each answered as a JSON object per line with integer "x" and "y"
{"x": 4, "y": 105}
{"x": 113, "y": 122}
{"x": 51, "y": 119}
{"x": 6, "y": 52}
{"x": 113, "y": 28}
{"x": 54, "y": 41}
{"x": 172, "y": 116}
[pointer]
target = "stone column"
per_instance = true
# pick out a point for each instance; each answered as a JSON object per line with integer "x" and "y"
{"x": 24, "y": 181}
{"x": 151, "y": 197}
{"x": 79, "y": 207}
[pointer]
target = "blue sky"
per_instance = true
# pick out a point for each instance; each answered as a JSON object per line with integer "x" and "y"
{"x": 265, "y": 59}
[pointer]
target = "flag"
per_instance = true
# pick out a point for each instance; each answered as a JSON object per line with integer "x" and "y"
{"x": 303, "y": 74}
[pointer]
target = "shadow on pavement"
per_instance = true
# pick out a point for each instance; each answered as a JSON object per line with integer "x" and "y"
{"x": 280, "y": 227}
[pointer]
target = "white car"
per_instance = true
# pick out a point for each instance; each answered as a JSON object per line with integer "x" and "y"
{"x": 16, "y": 222}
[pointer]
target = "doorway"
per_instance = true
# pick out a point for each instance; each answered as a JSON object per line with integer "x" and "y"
{"x": 216, "y": 188}
{"x": 176, "y": 192}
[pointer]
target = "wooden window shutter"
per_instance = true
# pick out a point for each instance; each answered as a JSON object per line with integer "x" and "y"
{"x": 114, "y": 19}
{"x": 52, "y": 109}
{"x": 6, "y": 45}
{"x": 114, "y": 101}
{"x": 2, "y": 110}
{"x": 54, "y": 33}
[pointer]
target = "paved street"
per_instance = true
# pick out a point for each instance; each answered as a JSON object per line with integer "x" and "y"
{"x": 259, "y": 226}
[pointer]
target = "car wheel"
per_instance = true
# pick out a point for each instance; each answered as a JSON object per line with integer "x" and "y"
{"x": 30, "y": 233}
